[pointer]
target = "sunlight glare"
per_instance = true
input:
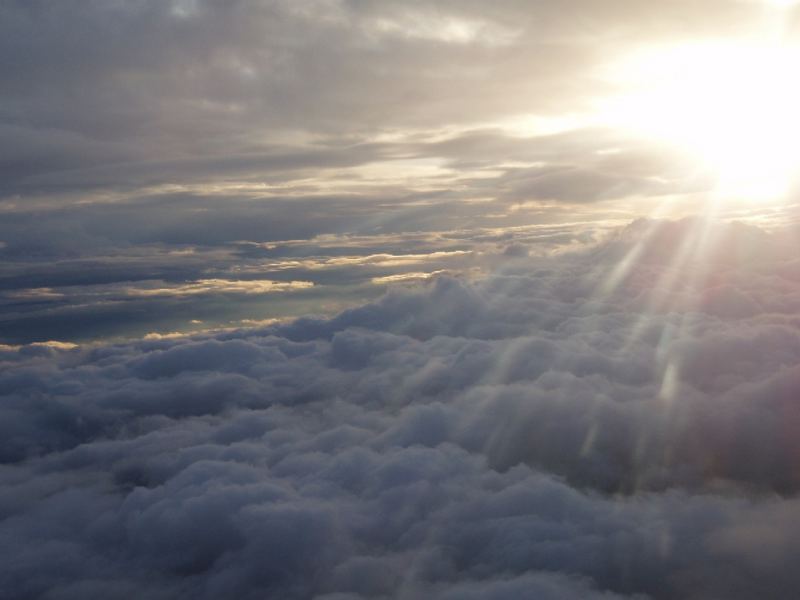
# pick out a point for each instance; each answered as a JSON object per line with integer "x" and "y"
{"x": 733, "y": 106}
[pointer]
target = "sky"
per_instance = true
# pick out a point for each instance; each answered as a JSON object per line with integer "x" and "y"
{"x": 349, "y": 300}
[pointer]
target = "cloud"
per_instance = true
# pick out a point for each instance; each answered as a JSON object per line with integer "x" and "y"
{"x": 205, "y": 286}
{"x": 210, "y": 94}
{"x": 535, "y": 407}
{"x": 95, "y": 271}
{"x": 537, "y": 430}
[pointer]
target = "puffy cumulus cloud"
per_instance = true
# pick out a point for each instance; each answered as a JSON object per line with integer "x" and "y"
{"x": 593, "y": 425}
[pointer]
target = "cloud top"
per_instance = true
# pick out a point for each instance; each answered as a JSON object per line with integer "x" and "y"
{"x": 535, "y": 432}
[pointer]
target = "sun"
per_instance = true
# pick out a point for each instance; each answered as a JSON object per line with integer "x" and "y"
{"x": 734, "y": 106}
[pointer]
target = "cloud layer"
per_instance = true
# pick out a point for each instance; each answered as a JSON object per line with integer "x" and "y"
{"x": 273, "y": 96}
{"x": 612, "y": 423}
{"x": 535, "y": 408}
{"x": 160, "y": 143}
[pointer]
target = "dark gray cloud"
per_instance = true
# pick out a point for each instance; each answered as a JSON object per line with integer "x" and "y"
{"x": 125, "y": 95}
{"x": 561, "y": 428}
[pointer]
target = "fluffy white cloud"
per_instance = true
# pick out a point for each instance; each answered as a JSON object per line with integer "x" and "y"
{"x": 565, "y": 428}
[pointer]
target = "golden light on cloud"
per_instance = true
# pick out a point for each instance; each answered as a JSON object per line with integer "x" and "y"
{"x": 219, "y": 286}
{"x": 734, "y": 106}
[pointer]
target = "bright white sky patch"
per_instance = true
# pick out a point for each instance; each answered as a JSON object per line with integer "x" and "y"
{"x": 733, "y": 105}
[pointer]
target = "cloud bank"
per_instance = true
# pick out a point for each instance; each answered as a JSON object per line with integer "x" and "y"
{"x": 613, "y": 423}
{"x": 276, "y": 97}
{"x": 155, "y": 143}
